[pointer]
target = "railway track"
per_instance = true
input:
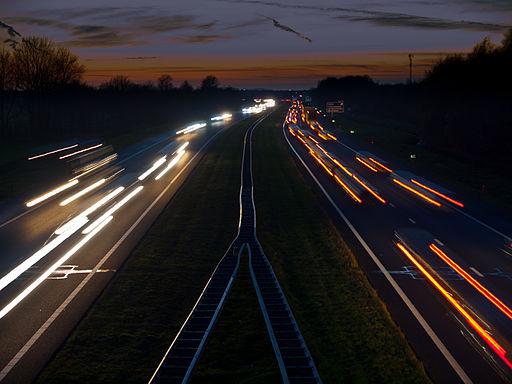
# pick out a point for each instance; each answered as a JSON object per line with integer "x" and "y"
{"x": 293, "y": 357}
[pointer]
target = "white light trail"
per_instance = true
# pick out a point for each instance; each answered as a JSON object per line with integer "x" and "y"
{"x": 17, "y": 271}
{"x": 53, "y": 192}
{"x": 52, "y": 152}
{"x": 96, "y": 165}
{"x": 89, "y": 210}
{"x": 80, "y": 151}
{"x": 110, "y": 211}
{"x": 172, "y": 163}
{"x": 82, "y": 192}
{"x": 50, "y": 270}
{"x": 221, "y": 117}
{"x": 191, "y": 128}
{"x": 157, "y": 164}
{"x": 182, "y": 148}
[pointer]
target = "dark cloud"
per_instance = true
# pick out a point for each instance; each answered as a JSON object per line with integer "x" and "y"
{"x": 110, "y": 38}
{"x": 13, "y": 37}
{"x": 401, "y": 19}
{"x": 277, "y": 24}
{"x": 421, "y": 22}
{"x": 205, "y": 39}
{"x": 10, "y": 30}
{"x": 90, "y": 29}
{"x": 490, "y": 5}
{"x": 131, "y": 27}
{"x": 41, "y": 22}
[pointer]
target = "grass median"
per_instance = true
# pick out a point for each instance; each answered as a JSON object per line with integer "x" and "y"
{"x": 124, "y": 336}
{"x": 239, "y": 350}
{"x": 346, "y": 326}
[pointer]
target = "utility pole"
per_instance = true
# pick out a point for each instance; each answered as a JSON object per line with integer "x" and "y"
{"x": 410, "y": 67}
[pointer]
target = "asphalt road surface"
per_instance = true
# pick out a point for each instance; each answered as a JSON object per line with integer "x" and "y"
{"x": 40, "y": 307}
{"x": 474, "y": 237}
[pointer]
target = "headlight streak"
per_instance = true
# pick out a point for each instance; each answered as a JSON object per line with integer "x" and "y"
{"x": 369, "y": 190}
{"x": 380, "y": 164}
{"x": 50, "y": 270}
{"x": 96, "y": 165}
{"x": 53, "y": 192}
{"x": 110, "y": 211}
{"x": 52, "y": 152}
{"x": 21, "y": 268}
{"x": 157, "y": 164}
{"x": 182, "y": 148}
{"x": 366, "y": 164}
{"x": 349, "y": 191}
{"x": 479, "y": 287}
{"x": 321, "y": 163}
{"x": 417, "y": 193}
{"x": 89, "y": 210}
{"x": 80, "y": 151}
{"x": 438, "y": 193}
{"x": 221, "y": 117}
{"x": 82, "y": 192}
{"x": 495, "y": 346}
{"x": 172, "y": 163}
{"x": 191, "y": 128}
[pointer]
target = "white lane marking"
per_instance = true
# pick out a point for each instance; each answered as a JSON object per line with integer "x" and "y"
{"x": 439, "y": 242}
{"x": 392, "y": 205}
{"x": 508, "y": 238}
{"x": 412, "y": 221}
{"x": 476, "y": 271}
{"x": 433, "y": 336}
{"x": 5, "y": 371}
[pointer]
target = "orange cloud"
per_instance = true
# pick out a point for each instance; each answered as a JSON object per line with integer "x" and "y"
{"x": 303, "y": 70}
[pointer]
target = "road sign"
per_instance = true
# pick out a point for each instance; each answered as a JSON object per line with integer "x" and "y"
{"x": 335, "y": 107}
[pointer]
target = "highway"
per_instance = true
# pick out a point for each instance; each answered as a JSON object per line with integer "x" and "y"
{"x": 56, "y": 259}
{"x": 440, "y": 260}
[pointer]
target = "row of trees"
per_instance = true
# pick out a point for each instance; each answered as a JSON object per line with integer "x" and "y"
{"x": 42, "y": 95}
{"x": 462, "y": 106}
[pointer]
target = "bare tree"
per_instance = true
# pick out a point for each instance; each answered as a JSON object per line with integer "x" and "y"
{"x": 186, "y": 87}
{"x": 209, "y": 82}
{"x": 41, "y": 66}
{"x": 118, "y": 83}
{"x": 165, "y": 83}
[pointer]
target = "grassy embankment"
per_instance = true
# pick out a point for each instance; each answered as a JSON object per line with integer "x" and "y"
{"x": 124, "y": 336}
{"x": 347, "y": 327}
{"x": 398, "y": 140}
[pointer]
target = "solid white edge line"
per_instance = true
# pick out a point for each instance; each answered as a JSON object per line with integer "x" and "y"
{"x": 12, "y": 363}
{"x": 433, "y": 336}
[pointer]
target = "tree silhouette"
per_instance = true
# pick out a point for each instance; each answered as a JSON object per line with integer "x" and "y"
{"x": 186, "y": 87}
{"x": 118, "y": 83}
{"x": 165, "y": 83}
{"x": 209, "y": 82}
{"x": 39, "y": 65}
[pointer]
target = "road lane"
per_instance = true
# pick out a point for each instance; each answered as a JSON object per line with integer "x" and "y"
{"x": 26, "y": 319}
{"x": 376, "y": 223}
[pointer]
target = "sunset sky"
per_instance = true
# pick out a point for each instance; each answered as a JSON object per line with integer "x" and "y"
{"x": 253, "y": 43}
